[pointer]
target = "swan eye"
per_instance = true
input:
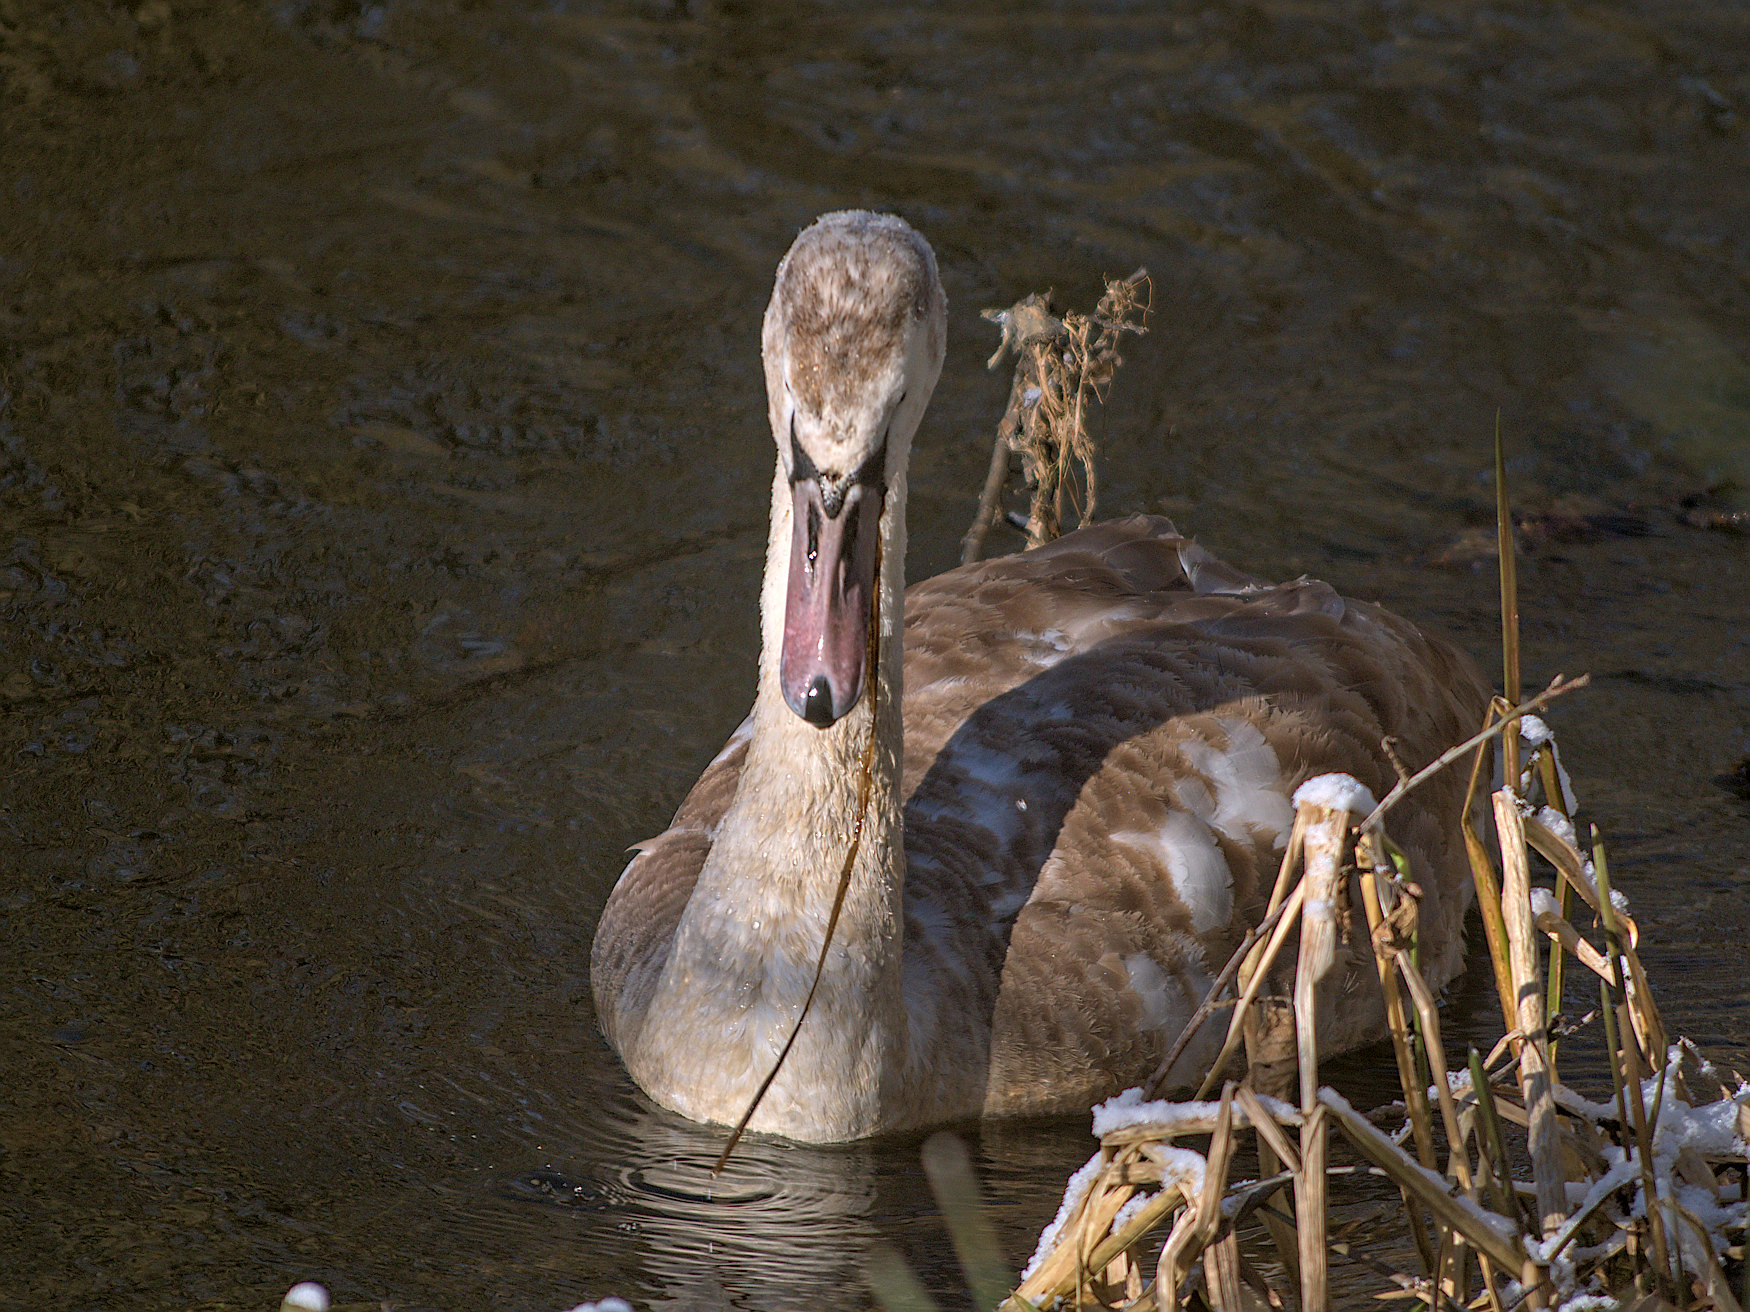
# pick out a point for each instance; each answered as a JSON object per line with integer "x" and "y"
{"x": 801, "y": 467}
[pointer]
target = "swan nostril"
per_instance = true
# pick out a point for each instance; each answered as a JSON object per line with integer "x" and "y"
{"x": 817, "y": 705}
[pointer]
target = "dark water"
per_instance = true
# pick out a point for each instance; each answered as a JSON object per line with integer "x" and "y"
{"x": 382, "y": 473}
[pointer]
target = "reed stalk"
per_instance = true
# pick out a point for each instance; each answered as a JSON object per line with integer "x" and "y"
{"x": 1491, "y": 1142}
{"x": 1475, "y": 1213}
{"x": 1534, "y": 1075}
{"x": 1632, "y": 1059}
{"x": 1555, "y": 799}
{"x": 1267, "y": 956}
{"x": 1505, "y": 552}
{"x": 1409, "y": 1077}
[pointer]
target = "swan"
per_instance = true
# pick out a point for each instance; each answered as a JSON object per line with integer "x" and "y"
{"x": 1078, "y": 776}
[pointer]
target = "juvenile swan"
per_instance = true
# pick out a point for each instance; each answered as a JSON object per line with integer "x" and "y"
{"x": 1082, "y": 767}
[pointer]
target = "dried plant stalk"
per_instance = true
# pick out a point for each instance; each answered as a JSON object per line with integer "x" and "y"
{"x": 1327, "y": 831}
{"x": 1059, "y": 365}
{"x": 1505, "y": 1251}
{"x": 1534, "y": 1077}
{"x": 1270, "y": 949}
{"x": 1188, "y": 1241}
{"x": 1384, "y": 951}
{"x": 1098, "y": 1257}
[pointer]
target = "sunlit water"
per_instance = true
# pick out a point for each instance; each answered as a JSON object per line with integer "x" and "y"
{"x": 382, "y": 481}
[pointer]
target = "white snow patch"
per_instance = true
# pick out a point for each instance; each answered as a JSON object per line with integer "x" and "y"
{"x": 1557, "y": 823}
{"x": 1340, "y": 792}
{"x": 1078, "y": 1185}
{"x": 1711, "y": 1130}
{"x": 1534, "y": 733}
{"x": 1128, "y": 1109}
{"x": 1542, "y": 900}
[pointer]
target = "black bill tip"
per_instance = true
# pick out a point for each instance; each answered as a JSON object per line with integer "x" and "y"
{"x": 817, "y": 705}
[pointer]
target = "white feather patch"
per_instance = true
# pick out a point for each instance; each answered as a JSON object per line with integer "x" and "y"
{"x": 1187, "y": 848}
{"x": 1247, "y": 782}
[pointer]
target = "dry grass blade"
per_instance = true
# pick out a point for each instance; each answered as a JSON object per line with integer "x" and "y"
{"x": 1632, "y": 1060}
{"x": 1271, "y": 949}
{"x": 1486, "y": 1233}
{"x": 1555, "y": 796}
{"x": 1493, "y": 1156}
{"x": 1415, "y": 1096}
{"x": 1504, "y": 544}
{"x": 1265, "y": 1124}
{"x": 1311, "y": 1212}
{"x": 1458, "y": 1157}
{"x": 1203, "y": 1118}
{"x": 1076, "y": 1251}
{"x": 1327, "y": 833}
{"x": 1211, "y": 1003}
{"x": 1321, "y": 885}
{"x": 1424, "y": 1003}
{"x": 1698, "y": 1246}
{"x": 1565, "y": 936}
{"x": 1534, "y": 1074}
{"x": 1408, "y": 1076}
{"x": 1224, "y": 1279}
{"x": 1188, "y": 1241}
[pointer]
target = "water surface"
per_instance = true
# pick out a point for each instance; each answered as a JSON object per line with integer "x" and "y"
{"x": 382, "y": 482}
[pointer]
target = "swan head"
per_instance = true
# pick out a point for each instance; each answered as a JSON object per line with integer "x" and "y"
{"x": 852, "y": 342}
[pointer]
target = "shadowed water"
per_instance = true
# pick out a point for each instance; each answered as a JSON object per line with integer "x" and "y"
{"x": 382, "y": 490}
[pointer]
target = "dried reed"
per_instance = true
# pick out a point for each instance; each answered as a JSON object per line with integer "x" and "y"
{"x": 1636, "y": 1201}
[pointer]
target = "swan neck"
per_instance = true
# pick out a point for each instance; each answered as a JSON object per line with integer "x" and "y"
{"x": 746, "y": 949}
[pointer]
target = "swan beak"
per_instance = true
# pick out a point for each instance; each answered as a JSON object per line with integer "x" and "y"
{"x": 827, "y": 607}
